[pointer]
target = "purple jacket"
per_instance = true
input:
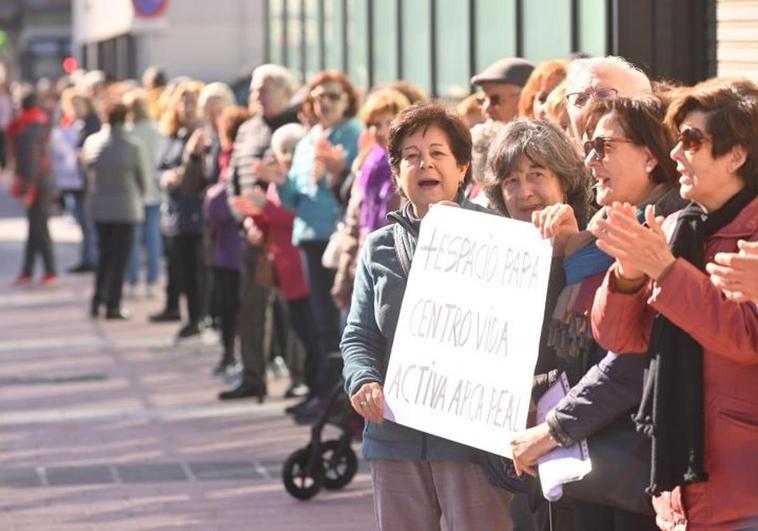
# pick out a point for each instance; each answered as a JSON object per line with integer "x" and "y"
{"x": 377, "y": 189}
{"x": 225, "y": 235}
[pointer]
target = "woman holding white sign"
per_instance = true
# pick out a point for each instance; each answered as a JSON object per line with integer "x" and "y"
{"x": 417, "y": 477}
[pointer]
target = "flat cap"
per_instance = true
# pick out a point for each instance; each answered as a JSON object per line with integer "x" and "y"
{"x": 514, "y": 70}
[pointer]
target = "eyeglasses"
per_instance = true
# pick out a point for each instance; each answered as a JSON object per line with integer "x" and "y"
{"x": 331, "y": 96}
{"x": 692, "y": 138}
{"x": 580, "y": 99}
{"x": 598, "y": 145}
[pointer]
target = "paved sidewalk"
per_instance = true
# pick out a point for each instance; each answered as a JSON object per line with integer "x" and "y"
{"x": 107, "y": 425}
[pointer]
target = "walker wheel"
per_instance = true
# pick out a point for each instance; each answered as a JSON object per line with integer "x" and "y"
{"x": 301, "y": 481}
{"x": 340, "y": 464}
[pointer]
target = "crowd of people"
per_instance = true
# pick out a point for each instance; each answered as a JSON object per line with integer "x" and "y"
{"x": 289, "y": 225}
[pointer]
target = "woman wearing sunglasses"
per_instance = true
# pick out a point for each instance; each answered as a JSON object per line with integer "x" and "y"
{"x": 700, "y": 399}
{"x": 320, "y": 164}
{"x": 627, "y": 155}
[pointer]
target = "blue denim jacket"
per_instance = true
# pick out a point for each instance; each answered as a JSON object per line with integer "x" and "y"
{"x": 367, "y": 343}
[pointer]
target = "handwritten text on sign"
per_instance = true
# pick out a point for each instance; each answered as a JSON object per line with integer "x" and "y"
{"x": 468, "y": 334}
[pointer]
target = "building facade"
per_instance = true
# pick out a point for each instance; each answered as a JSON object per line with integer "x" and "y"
{"x": 206, "y": 40}
{"x": 440, "y": 44}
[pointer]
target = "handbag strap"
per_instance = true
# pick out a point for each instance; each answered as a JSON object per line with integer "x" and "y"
{"x": 401, "y": 249}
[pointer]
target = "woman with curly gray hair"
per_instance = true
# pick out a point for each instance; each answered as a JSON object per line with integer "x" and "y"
{"x": 532, "y": 165}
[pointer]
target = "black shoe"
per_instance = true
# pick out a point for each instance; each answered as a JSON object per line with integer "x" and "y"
{"x": 311, "y": 411}
{"x": 244, "y": 391}
{"x": 165, "y": 316}
{"x": 94, "y": 309}
{"x": 291, "y": 410}
{"x": 296, "y": 390}
{"x": 82, "y": 268}
{"x": 117, "y": 313}
{"x": 188, "y": 330}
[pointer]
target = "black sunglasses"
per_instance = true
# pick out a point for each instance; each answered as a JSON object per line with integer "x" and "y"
{"x": 598, "y": 145}
{"x": 692, "y": 138}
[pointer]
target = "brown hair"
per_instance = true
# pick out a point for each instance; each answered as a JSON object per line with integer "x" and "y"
{"x": 230, "y": 120}
{"x": 115, "y": 113}
{"x": 542, "y": 72}
{"x": 333, "y": 75}
{"x": 731, "y": 109}
{"x": 136, "y": 102}
{"x": 641, "y": 119}
{"x": 422, "y": 116}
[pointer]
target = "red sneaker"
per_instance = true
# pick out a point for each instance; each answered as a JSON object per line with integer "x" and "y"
{"x": 22, "y": 280}
{"x": 48, "y": 280}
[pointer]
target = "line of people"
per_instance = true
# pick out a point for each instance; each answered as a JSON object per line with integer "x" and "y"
{"x": 273, "y": 219}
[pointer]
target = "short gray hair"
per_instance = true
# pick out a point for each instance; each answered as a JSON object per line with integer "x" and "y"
{"x": 277, "y": 73}
{"x": 579, "y": 67}
{"x": 546, "y": 145}
{"x": 286, "y": 137}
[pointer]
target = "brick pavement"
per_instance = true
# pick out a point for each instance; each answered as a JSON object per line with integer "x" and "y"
{"x": 109, "y": 425}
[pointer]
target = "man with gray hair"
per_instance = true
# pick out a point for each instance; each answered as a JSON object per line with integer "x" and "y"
{"x": 271, "y": 88}
{"x": 600, "y": 77}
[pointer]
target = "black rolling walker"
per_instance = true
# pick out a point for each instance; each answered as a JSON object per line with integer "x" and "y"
{"x": 330, "y": 464}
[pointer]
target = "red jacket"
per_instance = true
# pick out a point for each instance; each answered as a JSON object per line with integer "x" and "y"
{"x": 728, "y": 333}
{"x": 276, "y": 224}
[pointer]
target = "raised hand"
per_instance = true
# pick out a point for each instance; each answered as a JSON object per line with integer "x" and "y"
{"x": 736, "y": 274}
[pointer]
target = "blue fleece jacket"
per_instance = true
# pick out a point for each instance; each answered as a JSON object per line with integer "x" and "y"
{"x": 316, "y": 209}
{"x": 367, "y": 343}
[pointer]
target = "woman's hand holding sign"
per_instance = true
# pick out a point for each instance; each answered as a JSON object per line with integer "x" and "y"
{"x": 368, "y": 402}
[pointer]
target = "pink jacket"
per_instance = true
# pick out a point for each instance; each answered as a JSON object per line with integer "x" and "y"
{"x": 728, "y": 333}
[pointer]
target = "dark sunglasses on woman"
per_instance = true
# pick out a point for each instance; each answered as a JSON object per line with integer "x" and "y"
{"x": 599, "y": 143}
{"x": 692, "y": 138}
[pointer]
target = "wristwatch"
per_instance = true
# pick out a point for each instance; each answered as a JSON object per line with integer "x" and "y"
{"x": 560, "y": 437}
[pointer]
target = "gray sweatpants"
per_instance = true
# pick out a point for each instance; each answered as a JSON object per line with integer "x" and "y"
{"x": 420, "y": 495}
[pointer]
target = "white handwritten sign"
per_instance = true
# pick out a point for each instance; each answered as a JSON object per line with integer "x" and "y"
{"x": 469, "y": 329}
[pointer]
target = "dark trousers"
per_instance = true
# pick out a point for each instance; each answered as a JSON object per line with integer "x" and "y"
{"x": 326, "y": 316}
{"x": 252, "y": 320}
{"x": 595, "y": 517}
{"x": 114, "y": 242}
{"x": 301, "y": 321}
{"x": 226, "y": 287}
{"x": 38, "y": 238}
{"x": 184, "y": 266}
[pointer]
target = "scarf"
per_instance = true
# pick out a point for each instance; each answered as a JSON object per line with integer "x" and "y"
{"x": 671, "y": 410}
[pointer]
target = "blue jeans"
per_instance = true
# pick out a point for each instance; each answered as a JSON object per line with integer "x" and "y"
{"x": 147, "y": 234}
{"x": 74, "y": 201}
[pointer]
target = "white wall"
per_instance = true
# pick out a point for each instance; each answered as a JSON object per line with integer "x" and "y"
{"x": 737, "y": 38}
{"x": 206, "y": 39}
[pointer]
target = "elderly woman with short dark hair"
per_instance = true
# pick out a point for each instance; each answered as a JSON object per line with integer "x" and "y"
{"x": 417, "y": 477}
